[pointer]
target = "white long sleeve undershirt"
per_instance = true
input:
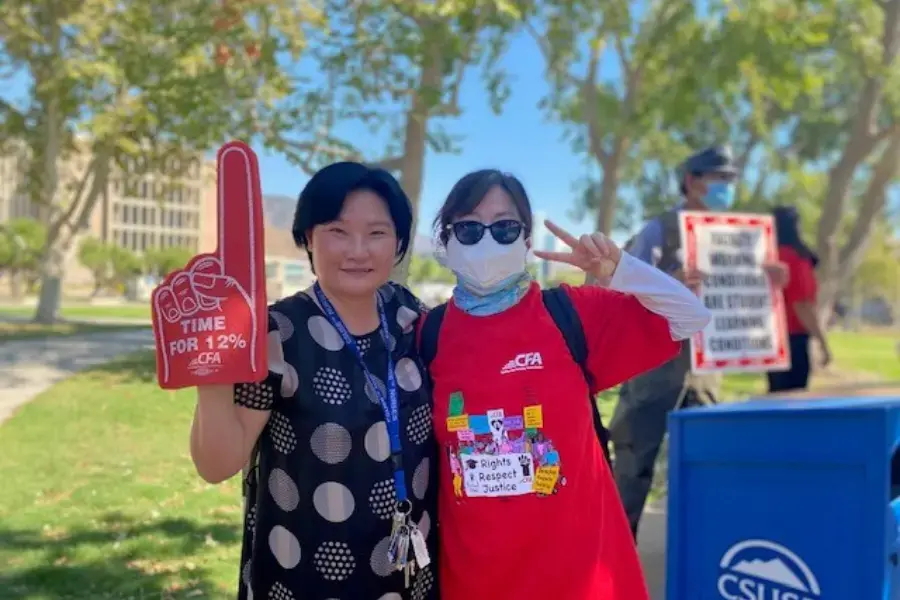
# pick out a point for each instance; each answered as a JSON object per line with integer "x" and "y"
{"x": 661, "y": 294}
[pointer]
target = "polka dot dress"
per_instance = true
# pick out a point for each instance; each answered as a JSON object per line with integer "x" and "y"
{"x": 318, "y": 515}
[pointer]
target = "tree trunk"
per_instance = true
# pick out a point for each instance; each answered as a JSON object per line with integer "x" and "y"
{"x": 62, "y": 233}
{"x": 851, "y": 255}
{"x": 609, "y": 187}
{"x": 413, "y": 162}
{"x": 52, "y": 270}
{"x": 15, "y": 284}
{"x": 835, "y": 262}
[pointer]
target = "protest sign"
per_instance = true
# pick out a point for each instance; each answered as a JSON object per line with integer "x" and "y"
{"x": 748, "y": 330}
{"x": 210, "y": 318}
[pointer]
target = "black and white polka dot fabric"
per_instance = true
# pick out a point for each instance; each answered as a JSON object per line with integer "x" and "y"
{"x": 318, "y": 516}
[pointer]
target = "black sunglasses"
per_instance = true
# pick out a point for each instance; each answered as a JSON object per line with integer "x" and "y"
{"x": 504, "y": 232}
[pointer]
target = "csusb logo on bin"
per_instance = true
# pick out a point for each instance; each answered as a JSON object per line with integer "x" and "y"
{"x": 764, "y": 570}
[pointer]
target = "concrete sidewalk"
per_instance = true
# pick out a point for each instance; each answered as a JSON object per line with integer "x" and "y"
{"x": 28, "y": 367}
{"x": 652, "y": 547}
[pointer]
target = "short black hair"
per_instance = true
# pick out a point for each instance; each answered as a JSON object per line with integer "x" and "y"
{"x": 323, "y": 196}
{"x": 468, "y": 193}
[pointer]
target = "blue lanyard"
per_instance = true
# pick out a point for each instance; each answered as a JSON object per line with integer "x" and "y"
{"x": 389, "y": 402}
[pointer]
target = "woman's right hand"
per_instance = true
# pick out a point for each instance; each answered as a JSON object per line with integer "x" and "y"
{"x": 226, "y": 428}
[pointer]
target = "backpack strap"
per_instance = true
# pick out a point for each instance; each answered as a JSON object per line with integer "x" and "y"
{"x": 564, "y": 314}
{"x": 430, "y": 332}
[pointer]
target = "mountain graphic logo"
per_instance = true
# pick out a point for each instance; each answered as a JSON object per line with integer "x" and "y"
{"x": 766, "y": 561}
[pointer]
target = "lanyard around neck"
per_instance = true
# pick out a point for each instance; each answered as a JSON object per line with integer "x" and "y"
{"x": 388, "y": 399}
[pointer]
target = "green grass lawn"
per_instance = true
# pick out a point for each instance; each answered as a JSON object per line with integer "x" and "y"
{"x": 874, "y": 353}
{"x": 26, "y": 331}
{"x": 99, "y": 498}
{"x": 85, "y": 311}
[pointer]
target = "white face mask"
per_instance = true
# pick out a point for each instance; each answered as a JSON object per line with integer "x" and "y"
{"x": 482, "y": 267}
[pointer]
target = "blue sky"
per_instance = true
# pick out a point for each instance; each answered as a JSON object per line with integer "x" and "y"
{"x": 521, "y": 140}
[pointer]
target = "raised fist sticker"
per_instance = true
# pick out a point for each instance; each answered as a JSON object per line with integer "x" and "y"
{"x": 209, "y": 319}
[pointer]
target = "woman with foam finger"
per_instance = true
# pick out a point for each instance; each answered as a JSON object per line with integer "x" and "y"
{"x": 342, "y": 484}
{"x": 528, "y": 506}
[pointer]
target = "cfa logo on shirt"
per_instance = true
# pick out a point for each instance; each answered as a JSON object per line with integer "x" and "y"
{"x": 527, "y": 361}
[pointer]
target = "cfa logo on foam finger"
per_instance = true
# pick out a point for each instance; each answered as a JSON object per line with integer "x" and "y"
{"x": 764, "y": 570}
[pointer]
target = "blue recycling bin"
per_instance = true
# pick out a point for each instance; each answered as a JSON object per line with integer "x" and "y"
{"x": 784, "y": 500}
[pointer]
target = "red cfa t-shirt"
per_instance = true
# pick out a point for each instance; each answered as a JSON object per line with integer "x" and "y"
{"x": 528, "y": 507}
{"x": 801, "y": 287}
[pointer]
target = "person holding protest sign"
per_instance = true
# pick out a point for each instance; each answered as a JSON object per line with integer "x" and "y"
{"x": 638, "y": 426}
{"x": 340, "y": 498}
{"x": 800, "y": 302}
{"x": 528, "y": 507}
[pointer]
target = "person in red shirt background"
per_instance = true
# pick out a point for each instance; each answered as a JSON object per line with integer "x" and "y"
{"x": 800, "y": 302}
{"x": 527, "y": 504}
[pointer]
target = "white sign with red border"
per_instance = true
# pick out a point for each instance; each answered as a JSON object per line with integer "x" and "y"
{"x": 748, "y": 331}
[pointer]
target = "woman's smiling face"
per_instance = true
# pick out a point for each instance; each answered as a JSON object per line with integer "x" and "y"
{"x": 354, "y": 254}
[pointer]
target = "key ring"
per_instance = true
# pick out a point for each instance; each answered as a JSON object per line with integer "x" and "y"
{"x": 404, "y": 508}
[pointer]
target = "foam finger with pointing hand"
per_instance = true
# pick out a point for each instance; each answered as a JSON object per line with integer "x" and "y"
{"x": 209, "y": 319}
{"x": 207, "y": 266}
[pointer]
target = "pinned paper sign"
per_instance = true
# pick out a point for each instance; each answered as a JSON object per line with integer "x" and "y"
{"x": 210, "y": 318}
{"x": 545, "y": 479}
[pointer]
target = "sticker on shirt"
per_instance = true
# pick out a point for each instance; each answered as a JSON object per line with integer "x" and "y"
{"x": 497, "y": 455}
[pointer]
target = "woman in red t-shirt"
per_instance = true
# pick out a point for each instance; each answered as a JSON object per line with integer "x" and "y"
{"x": 527, "y": 504}
{"x": 800, "y": 302}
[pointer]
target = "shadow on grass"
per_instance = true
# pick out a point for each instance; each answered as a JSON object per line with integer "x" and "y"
{"x": 138, "y": 367}
{"x": 128, "y": 560}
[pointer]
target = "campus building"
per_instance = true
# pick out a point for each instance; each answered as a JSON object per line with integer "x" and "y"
{"x": 175, "y": 206}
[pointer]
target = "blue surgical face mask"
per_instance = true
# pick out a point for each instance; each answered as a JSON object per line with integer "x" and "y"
{"x": 719, "y": 195}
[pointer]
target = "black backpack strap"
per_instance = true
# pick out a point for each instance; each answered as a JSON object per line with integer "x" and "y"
{"x": 430, "y": 332}
{"x": 564, "y": 314}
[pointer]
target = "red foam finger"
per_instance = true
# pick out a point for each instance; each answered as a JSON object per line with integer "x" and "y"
{"x": 240, "y": 216}
{"x": 164, "y": 301}
{"x": 213, "y": 286}
{"x": 209, "y": 320}
{"x": 184, "y": 294}
{"x": 204, "y": 265}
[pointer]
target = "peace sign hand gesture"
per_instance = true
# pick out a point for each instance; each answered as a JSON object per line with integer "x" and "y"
{"x": 595, "y": 254}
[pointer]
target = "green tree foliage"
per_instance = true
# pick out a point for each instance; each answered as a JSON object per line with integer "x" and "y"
{"x": 571, "y": 277}
{"x": 131, "y": 85}
{"x": 811, "y": 110}
{"x": 425, "y": 269}
{"x": 398, "y": 67}
{"x": 111, "y": 266}
{"x": 21, "y": 243}
{"x": 837, "y": 126}
{"x": 618, "y": 70}
{"x": 162, "y": 261}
